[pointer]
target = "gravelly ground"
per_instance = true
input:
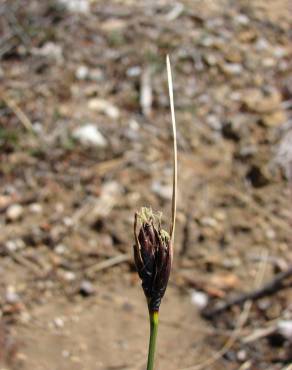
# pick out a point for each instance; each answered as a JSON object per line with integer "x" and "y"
{"x": 68, "y": 196}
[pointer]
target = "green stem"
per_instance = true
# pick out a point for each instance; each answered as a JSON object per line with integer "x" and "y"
{"x": 153, "y": 318}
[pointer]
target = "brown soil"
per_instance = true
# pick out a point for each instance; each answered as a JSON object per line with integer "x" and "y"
{"x": 67, "y": 207}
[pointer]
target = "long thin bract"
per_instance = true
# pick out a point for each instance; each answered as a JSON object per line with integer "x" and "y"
{"x": 174, "y": 183}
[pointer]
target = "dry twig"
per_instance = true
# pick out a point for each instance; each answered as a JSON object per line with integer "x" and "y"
{"x": 236, "y": 333}
{"x": 273, "y": 286}
{"x": 17, "y": 111}
{"x": 120, "y": 258}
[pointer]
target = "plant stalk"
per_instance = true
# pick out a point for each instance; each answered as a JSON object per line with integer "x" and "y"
{"x": 153, "y": 318}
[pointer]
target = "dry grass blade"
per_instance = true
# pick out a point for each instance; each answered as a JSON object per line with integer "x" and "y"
{"x": 174, "y": 183}
{"x": 17, "y": 111}
{"x": 120, "y": 258}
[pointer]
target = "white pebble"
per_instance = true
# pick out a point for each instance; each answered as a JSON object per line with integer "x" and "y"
{"x": 271, "y": 234}
{"x": 134, "y": 71}
{"x": 82, "y": 72}
{"x": 69, "y": 276}
{"x": 241, "y": 355}
{"x": 285, "y": 329}
{"x": 86, "y": 288}
{"x": 105, "y": 107}
{"x": 36, "y": 208}
{"x": 65, "y": 353}
{"x": 68, "y": 221}
{"x": 233, "y": 68}
{"x": 76, "y": 6}
{"x": 209, "y": 221}
{"x": 14, "y": 245}
{"x": 14, "y": 212}
{"x": 60, "y": 249}
{"x": 199, "y": 299}
{"x": 11, "y": 296}
{"x": 88, "y": 135}
{"x": 241, "y": 19}
{"x": 58, "y": 322}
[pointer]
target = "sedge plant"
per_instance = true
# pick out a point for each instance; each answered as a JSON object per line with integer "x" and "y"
{"x": 153, "y": 249}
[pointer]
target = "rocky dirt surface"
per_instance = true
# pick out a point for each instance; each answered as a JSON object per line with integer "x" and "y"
{"x": 85, "y": 141}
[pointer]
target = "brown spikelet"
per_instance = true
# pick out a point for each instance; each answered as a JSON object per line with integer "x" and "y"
{"x": 153, "y": 256}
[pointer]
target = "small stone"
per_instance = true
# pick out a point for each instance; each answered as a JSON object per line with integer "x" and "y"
{"x": 82, "y": 72}
{"x": 236, "y": 128}
{"x": 175, "y": 12}
{"x": 15, "y": 244}
{"x": 36, "y": 208}
{"x": 113, "y": 25}
{"x": 86, "y": 288}
{"x": 269, "y": 62}
{"x": 207, "y": 41}
{"x": 11, "y": 296}
{"x": 11, "y": 245}
{"x": 210, "y": 59}
{"x": 37, "y": 128}
{"x": 105, "y": 107}
{"x": 89, "y": 135}
{"x": 14, "y": 212}
{"x": 241, "y": 355}
{"x": 134, "y": 71}
{"x": 209, "y": 221}
{"x": 274, "y": 119}
{"x": 128, "y": 307}
{"x": 271, "y": 234}
{"x": 232, "y": 68}
{"x": 280, "y": 52}
{"x": 60, "y": 249}
{"x": 220, "y": 215}
{"x": 284, "y": 154}
{"x": 241, "y": 19}
{"x": 58, "y": 322}
{"x": 24, "y": 317}
{"x": 76, "y": 6}
{"x": 262, "y": 44}
{"x": 231, "y": 263}
{"x": 233, "y": 56}
{"x": 285, "y": 329}
{"x": 214, "y": 122}
{"x": 235, "y": 96}
{"x": 132, "y": 131}
{"x": 262, "y": 102}
{"x": 68, "y": 221}
{"x": 50, "y": 50}
{"x": 199, "y": 299}
{"x": 69, "y": 276}
{"x": 96, "y": 75}
{"x": 59, "y": 207}
{"x": 264, "y": 304}
{"x": 247, "y": 35}
{"x": 162, "y": 190}
{"x": 65, "y": 353}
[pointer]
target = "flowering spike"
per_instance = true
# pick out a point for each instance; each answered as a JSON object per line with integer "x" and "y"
{"x": 153, "y": 256}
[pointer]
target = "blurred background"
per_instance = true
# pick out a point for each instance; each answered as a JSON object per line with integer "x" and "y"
{"x": 85, "y": 141}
